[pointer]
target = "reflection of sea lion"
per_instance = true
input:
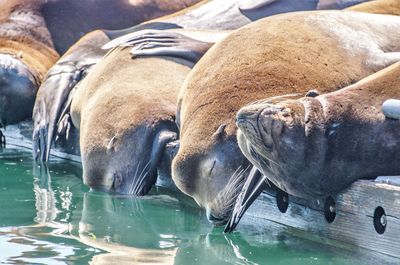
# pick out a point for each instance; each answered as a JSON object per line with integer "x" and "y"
{"x": 318, "y": 146}
{"x": 289, "y": 53}
{"x": 26, "y": 53}
{"x": 69, "y": 20}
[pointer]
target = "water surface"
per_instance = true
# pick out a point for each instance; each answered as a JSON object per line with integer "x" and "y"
{"x": 47, "y": 216}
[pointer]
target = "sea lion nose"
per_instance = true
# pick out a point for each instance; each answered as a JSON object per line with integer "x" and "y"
{"x": 212, "y": 218}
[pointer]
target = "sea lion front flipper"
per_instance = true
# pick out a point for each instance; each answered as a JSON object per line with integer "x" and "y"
{"x": 253, "y": 186}
{"x": 162, "y": 43}
{"x": 247, "y": 5}
{"x": 51, "y": 98}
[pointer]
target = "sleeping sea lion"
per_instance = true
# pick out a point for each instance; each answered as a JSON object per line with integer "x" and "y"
{"x": 26, "y": 53}
{"x": 60, "y": 80}
{"x": 125, "y": 116}
{"x": 288, "y": 53}
{"x": 256, "y": 182}
{"x": 317, "y": 146}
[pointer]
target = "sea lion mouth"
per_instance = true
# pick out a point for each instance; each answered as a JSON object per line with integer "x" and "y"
{"x": 221, "y": 207}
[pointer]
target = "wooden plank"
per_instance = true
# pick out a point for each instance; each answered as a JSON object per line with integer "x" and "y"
{"x": 354, "y": 221}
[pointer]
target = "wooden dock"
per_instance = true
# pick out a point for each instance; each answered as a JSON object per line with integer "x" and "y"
{"x": 366, "y": 215}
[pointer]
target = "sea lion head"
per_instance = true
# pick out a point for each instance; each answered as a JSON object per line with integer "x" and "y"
{"x": 18, "y": 87}
{"x": 289, "y": 131}
{"x": 213, "y": 177}
{"x": 121, "y": 158}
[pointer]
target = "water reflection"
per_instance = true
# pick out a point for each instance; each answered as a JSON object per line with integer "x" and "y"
{"x": 72, "y": 225}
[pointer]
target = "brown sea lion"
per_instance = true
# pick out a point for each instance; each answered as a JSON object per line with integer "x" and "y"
{"x": 317, "y": 146}
{"x": 126, "y": 116}
{"x": 69, "y": 20}
{"x": 26, "y": 53}
{"x": 289, "y": 53}
{"x": 72, "y": 67}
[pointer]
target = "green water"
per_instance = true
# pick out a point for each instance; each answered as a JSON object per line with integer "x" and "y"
{"x": 50, "y": 217}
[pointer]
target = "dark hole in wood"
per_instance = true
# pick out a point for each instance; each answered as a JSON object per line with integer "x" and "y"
{"x": 282, "y": 200}
{"x": 380, "y": 221}
{"x": 329, "y": 209}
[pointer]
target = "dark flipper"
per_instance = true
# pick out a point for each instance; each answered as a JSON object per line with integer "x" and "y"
{"x": 113, "y": 34}
{"x": 2, "y": 140}
{"x": 162, "y": 43}
{"x": 254, "y": 185}
{"x": 52, "y": 95}
{"x": 142, "y": 186}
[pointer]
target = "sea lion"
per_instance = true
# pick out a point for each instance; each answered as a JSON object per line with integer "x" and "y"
{"x": 68, "y": 20}
{"x": 317, "y": 146}
{"x": 288, "y": 53}
{"x": 61, "y": 79}
{"x": 126, "y": 116}
{"x": 26, "y": 53}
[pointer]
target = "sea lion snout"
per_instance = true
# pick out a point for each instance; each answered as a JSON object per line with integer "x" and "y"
{"x": 213, "y": 178}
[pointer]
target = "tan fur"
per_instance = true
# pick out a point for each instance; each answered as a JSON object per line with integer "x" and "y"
{"x": 364, "y": 99}
{"x": 122, "y": 93}
{"x": 31, "y": 42}
{"x": 388, "y": 7}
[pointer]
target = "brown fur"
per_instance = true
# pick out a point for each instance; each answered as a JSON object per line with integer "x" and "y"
{"x": 31, "y": 42}
{"x": 109, "y": 84}
{"x": 388, "y": 7}
{"x": 117, "y": 100}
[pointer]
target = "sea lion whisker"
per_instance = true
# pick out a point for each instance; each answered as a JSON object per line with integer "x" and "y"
{"x": 140, "y": 179}
{"x": 134, "y": 177}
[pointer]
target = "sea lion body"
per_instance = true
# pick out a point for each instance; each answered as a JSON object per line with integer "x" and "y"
{"x": 320, "y": 145}
{"x": 125, "y": 119}
{"x": 289, "y": 53}
{"x": 26, "y": 53}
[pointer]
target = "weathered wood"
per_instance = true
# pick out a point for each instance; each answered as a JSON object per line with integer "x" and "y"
{"x": 353, "y": 225}
{"x": 354, "y": 221}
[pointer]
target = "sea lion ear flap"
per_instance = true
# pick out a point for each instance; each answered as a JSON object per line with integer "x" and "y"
{"x": 251, "y": 5}
{"x": 220, "y": 132}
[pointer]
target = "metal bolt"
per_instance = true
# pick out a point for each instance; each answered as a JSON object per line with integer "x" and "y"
{"x": 383, "y": 220}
